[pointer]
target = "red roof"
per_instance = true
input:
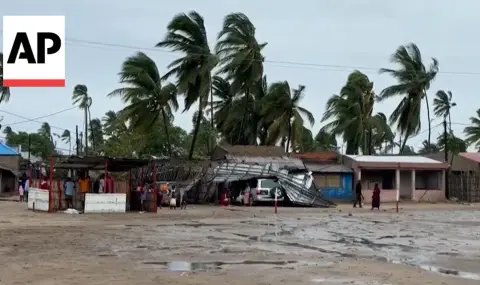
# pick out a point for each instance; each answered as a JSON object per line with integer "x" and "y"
{"x": 325, "y": 156}
{"x": 475, "y": 156}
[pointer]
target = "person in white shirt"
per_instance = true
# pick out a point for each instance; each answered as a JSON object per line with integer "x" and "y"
{"x": 101, "y": 185}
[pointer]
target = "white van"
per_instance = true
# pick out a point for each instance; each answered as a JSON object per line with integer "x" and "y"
{"x": 263, "y": 190}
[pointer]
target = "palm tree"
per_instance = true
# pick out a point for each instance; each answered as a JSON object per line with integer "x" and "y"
{"x": 149, "y": 101}
{"x": 350, "y": 114}
{"x": 442, "y": 105}
{"x": 81, "y": 98}
{"x": 429, "y": 148}
{"x": 326, "y": 141}
{"x": 113, "y": 123}
{"x": 413, "y": 82}
{"x": 4, "y": 91}
{"x": 187, "y": 34}
{"x": 454, "y": 144}
{"x": 473, "y": 131}
{"x": 223, "y": 106}
{"x": 241, "y": 60}
{"x": 46, "y": 131}
{"x": 282, "y": 107}
{"x": 96, "y": 134}
{"x": 66, "y": 137}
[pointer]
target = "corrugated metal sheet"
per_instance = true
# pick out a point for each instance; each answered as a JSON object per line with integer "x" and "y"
{"x": 328, "y": 168}
{"x": 298, "y": 187}
{"x": 282, "y": 162}
{"x": 393, "y": 159}
{"x": 6, "y": 150}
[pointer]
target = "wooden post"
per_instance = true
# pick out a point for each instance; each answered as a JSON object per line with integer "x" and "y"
{"x": 154, "y": 178}
{"x": 105, "y": 184}
{"x": 50, "y": 191}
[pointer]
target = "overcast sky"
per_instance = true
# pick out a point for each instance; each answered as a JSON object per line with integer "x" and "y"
{"x": 326, "y": 40}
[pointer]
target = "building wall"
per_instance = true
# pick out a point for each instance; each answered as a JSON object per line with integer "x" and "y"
{"x": 341, "y": 191}
{"x": 459, "y": 163}
{"x": 10, "y": 161}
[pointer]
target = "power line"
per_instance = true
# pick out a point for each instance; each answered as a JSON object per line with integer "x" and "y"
{"x": 317, "y": 66}
{"x": 36, "y": 119}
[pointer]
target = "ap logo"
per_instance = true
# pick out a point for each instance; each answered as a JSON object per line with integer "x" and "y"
{"x": 34, "y": 51}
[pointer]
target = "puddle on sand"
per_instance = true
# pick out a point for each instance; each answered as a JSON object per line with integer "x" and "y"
{"x": 185, "y": 266}
{"x": 451, "y": 272}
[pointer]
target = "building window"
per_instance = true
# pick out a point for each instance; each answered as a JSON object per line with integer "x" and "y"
{"x": 328, "y": 181}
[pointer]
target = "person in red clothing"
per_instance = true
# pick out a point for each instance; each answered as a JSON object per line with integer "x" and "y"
{"x": 44, "y": 184}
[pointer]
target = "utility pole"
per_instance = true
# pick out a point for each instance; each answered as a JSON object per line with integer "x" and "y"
{"x": 77, "y": 142}
{"x": 445, "y": 139}
{"x": 29, "y": 146}
{"x": 86, "y": 130}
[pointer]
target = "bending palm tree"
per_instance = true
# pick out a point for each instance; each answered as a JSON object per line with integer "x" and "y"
{"x": 187, "y": 34}
{"x": 352, "y": 114}
{"x": 149, "y": 101}
{"x": 414, "y": 80}
{"x": 442, "y": 105}
{"x": 80, "y": 97}
{"x": 222, "y": 107}
{"x": 282, "y": 107}
{"x": 4, "y": 91}
{"x": 112, "y": 124}
{"x": 473, "y": 131}
{"x": 241, "y": 61}
{"x": 96, "y": 134}
{"x": 326, "y": 141}
{"x": 66, "y": 137}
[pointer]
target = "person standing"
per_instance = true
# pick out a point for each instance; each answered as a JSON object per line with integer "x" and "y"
{"x": 84, "y": 185}
{"x": 26, "y": 187}
{"x": 21, "y": 192}
{"x": 69, "y": 188}
{"x": 101, "y": 184}
{"x": 376, "y": 197}
{"x": 358, "y": 194}
{"x": 44, "y": 184}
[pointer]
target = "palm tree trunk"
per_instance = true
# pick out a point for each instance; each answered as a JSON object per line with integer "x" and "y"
{"x": 245, "y": 139}
{"x": 86, "y": 131}
{"x": 91, "y": 130}
{"x": 167, "y": 134}
{"x": 429, "y": 122}
{"x": 403, "y": 142}
{"x": 195, "y": 130}
{"x": 289, "y": 136}
{"x": 449, "y": 122}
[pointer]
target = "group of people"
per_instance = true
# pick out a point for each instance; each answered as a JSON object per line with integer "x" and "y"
{"x": 23, "y": 187}
{"x": 167, "y": 195}
{"x": 359, "y": 196}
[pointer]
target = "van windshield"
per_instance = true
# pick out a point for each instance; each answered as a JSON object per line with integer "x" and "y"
{"x": 268, "y": 183}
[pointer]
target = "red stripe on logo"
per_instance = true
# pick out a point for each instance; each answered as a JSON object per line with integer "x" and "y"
{"x": 33, "y": 82}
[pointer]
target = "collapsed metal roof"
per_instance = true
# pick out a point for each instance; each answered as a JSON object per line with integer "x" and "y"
{"x": 298, "y": 186}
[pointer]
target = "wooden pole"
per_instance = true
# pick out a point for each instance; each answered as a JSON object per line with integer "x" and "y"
{"x": 105, "y": 172}
{"x": 154, "y": 195}
{"x": 50, "y": 187}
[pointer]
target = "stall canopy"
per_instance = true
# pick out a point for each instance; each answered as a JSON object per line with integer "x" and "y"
{"x": 98, "y": 163}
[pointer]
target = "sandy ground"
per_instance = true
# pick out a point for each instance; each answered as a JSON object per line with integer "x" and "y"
{"x": 242, "y": 245}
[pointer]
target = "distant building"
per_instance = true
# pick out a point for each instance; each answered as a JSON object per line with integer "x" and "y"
{"x": 9, "y": 168}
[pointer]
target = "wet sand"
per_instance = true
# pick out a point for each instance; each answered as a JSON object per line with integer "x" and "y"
{"x": 242, "y": 245}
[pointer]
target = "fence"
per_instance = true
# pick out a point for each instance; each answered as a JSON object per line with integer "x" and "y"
{"x": 465, "y": 187}
{"x": 57, "y": 197}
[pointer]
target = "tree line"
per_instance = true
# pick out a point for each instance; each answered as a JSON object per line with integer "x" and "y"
{"x": 236, "y": 104}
